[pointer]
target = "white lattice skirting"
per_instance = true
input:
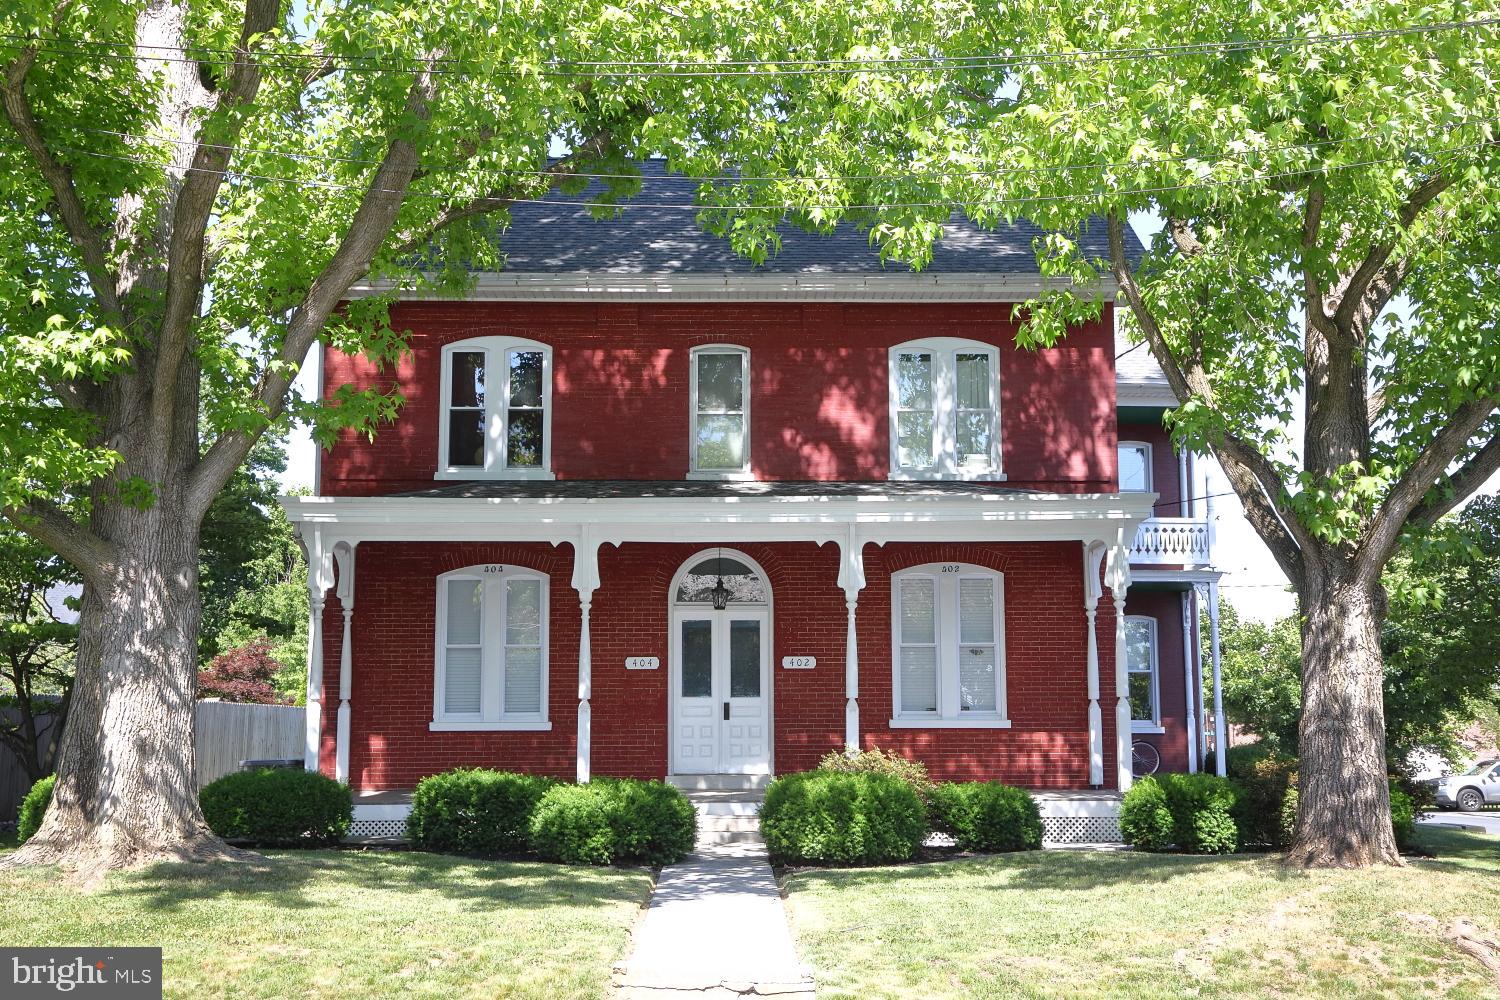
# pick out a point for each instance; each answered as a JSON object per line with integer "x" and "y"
{"x": 1079, "y": 820}
{"x": 382, "y": 822}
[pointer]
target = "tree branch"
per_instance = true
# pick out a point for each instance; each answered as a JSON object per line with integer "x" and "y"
{"x": 1359, "y": 282}
{"x": 1403, "y": 498}
{"x": 1461, "y": 485}
{"x": 1254, "y": 480}
{"x": 89, "y": 239}
{"x": 1312, "y": 286}
{"x": 203, "y": 177}
{"x": 368, "y": 230}
{"x": 94, "y": 557}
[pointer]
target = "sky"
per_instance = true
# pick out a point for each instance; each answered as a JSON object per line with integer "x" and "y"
{"x": 1252, "y": 581}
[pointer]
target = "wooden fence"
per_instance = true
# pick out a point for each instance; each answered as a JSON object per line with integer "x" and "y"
{"x": 227, "y": 733}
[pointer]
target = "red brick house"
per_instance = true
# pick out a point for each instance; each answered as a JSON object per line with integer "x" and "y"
{"x": 651, "y": 511}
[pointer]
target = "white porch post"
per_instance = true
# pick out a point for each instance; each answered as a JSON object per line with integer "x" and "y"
{"x": 319, "y": 579}
{"x": 1117, "y": 575}
{"x": 1221, "y": 727}
{"x": 343, "y": 554}
{"x": 1187, "y": 682}
{"x": 1093, "y": 557}
{"x": 851, "y": 581}
{"x": 585, "y": 581}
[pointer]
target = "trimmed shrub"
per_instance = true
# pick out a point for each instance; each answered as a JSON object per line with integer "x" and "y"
{"x": 475, "y": 811}
{"x": 986, "y": 816}
{"x": 878, "y": 761}
{"x": 1403, "y": 815}
{"x": 1260, "y": 808}
{"x": 1145, "y": 820}
{"x": 832, "y": 817}
{"x": 34, "y": 807}
{"x": 278, "y": 807}
{"x": 1202, "y": 808}
{"x": 613, "y": 820}
{"x": 1240, "y": 759}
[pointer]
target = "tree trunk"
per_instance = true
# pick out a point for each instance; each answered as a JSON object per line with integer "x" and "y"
{"x": 126, "y": 792}
{"x": 1343, "y": 803}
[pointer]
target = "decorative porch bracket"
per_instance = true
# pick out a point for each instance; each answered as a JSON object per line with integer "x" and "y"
{"x": 1093, "y": 559}
{"x": 319, "y": 579}
{"x": 1117, "y": 576}
{"x": 851, "y": 581}
{"x": 585, "y": 581}
{"x": 343, "y": 557}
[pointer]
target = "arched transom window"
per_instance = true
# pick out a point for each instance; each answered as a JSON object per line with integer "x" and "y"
{"x": 496, "y": 420}
{"x": 945, "y": 410}
{"x": 743, "y": 583}
{"x": 948, "y": 646}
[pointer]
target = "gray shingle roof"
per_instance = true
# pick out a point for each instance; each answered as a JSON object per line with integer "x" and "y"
{"x": 559, "y": 236}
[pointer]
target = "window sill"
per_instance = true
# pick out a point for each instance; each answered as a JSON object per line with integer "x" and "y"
{"x": 542, "y": 475}
{"x": 978, "y": 476}
{"x": 937, "y": 723}
{"x": 489, "y": 727}
{"x": 725, "y": 475}
{"x": 1148, "y": 728}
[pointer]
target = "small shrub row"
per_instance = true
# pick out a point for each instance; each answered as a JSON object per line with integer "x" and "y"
{"x": 871, "y": 807}
{"x": 609, "y": 820}
{"x": 1256, "y": 806}
{"x": 278, "y": 807}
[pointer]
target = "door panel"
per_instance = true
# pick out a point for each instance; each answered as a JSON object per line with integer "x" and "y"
{"x": 697, "y": 736}
{"x": 722, "y": 712}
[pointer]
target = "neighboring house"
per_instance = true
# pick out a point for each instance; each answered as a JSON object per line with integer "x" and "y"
{"x": 651, "y": 511}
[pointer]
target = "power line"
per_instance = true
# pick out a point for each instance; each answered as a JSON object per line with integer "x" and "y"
{"x": 744, "y": 207}
{"x": 915, "y": 174}
{"x": 897, "y": 65}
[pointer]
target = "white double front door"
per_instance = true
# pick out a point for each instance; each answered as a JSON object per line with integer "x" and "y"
{"x": 721, "y": 706}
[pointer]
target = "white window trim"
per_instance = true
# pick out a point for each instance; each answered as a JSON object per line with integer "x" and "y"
{"x": 1150, "y": 467}
{"x": 491, "y": 716}
{"x": 496, "y": 400}
{"x": 949, "y": 715}
{"x": 743, "y": 473}
{"x": 944, "y": 351}
{"x": 1149, "y": 725}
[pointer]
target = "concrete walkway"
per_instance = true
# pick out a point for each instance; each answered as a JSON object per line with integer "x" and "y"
{"x": 715, "y": 928}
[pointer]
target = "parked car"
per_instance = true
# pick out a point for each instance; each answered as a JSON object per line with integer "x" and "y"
{"x": 1471, "y": 790}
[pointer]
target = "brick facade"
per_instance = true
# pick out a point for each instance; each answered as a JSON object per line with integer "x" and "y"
{"x": 393, "y": 653}
{"x": 818, "y": 390}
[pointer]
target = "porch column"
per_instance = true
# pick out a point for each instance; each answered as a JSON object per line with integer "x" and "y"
{"x": 1221, "y": 726}
{"x": 1188, "y": 655}
{"x": 585, "y": 581}
{"x": 1117, "y": 575}
{"x": 1093, "y": 558}
{"x": 319, "y": 579}
{"x": 343, "y": 555}
{"x": 851, "y": 581}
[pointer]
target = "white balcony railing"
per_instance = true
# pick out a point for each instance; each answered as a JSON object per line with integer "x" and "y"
{"x": 1173, "y": 541}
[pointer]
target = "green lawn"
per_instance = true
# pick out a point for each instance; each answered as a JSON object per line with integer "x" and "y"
{"x": 346, "y": 924}
{"x": 1069, "y": 924}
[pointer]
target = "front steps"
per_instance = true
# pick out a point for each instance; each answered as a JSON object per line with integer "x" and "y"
{"x": 728, "y": 805}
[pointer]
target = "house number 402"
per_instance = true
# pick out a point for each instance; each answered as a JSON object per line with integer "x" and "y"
{"x": 950, "y": 567}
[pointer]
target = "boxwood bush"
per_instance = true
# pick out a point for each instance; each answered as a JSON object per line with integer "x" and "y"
{"x": 986, "y": 816}
{"x": 1202, "y": 808}
{"x": 34, "y": 807}
{"x": 832, "y": 817}
{"x": 475, "y": 811}
{"x": 611, "y": 820}
{"x": 278, "y": 807}
{"x": 1145, "y": 820}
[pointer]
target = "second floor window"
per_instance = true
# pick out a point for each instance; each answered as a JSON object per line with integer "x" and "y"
{"x": 945, "y": 410}
{"x": 1135, "y": 467}
{"x": 720, "y": 412}
{"x": 496, "y": 410}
